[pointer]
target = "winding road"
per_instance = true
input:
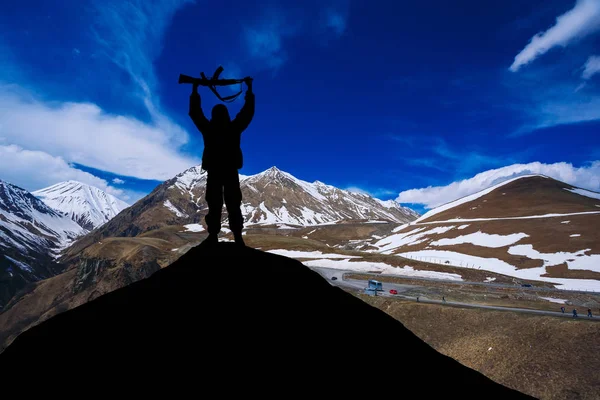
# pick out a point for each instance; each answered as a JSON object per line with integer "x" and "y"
{"x": 359, "y": 284}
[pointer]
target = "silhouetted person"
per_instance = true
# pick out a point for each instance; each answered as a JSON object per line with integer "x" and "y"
{"x": 221, "y": 159}
{"x": 562, "y": 309}
{"x": 574, "y": 313}
{"x": 589, "y": 312}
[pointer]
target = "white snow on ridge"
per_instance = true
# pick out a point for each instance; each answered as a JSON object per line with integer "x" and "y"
{"x": 193, "y": 228}
{"x": 412, "y": 237}
{"x": 463, "y": 226}
{"x": 575, "y": 235}
{"x": 553, "y": 300}
{"x": 577, "y": 260}
{"x": 81, "y": 202}
{"x": 34, "y": 225}
{"x": 469, "y": 198}
{"x": 502, "y": 267}
{"x": 482, "y": 239}
{"x": 586, "y": 193}
{"x": 458, "y": 220}
{"x": 19, "y": 264}
{"x": 174, "y": 209}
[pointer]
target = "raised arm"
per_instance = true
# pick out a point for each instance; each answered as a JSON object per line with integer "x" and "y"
{"x": 196, "y": 111}
{"x": 244, "y": 117}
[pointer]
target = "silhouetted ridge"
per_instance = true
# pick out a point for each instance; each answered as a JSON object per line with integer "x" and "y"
{"x": 238, "y": 320}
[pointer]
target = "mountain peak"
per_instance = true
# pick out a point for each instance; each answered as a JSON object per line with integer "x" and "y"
{"x": 520, "y": 196}
{"x": 87, "y": 205}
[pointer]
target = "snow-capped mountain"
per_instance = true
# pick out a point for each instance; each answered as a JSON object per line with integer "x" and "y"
{"x": 270, "y": 198}
{"x": 277, "y": 197}
{"x": 529, "y": 227}
{"x": 30, "y": 234}
{"x": 89, "y": 206}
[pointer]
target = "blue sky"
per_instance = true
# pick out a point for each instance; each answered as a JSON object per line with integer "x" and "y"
{"x": 417, "y": 101}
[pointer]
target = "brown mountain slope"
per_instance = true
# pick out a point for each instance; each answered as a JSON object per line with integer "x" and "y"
{"x": 531, "y": 228}
{"x": 533, "y": 195}
{"x": 180, "y": 327}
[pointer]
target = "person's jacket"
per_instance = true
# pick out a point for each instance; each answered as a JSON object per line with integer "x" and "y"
{"x": 222, "y": 137}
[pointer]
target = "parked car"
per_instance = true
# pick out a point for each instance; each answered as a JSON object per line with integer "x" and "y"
{"x": 526, "y": 285}
{"x": 393, "y": 291}
{"x": 334, "y": 278}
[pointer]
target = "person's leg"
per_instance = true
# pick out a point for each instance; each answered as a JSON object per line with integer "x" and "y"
{"x": 214, "y": 199}
{"x": 233, "y": 201}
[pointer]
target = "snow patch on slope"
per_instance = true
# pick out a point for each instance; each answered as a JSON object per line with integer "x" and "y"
{"x": 482, "y": 239}
{"x": 501, "y": 267}
{"x": 577, "y": 260}
{"x": 586, "y": 193}
{"x": 174, "y": 209}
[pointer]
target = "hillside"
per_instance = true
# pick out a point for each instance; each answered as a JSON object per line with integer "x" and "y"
{"x": 531, "y": 227}
{"x": 207, "y": 336}
{"x": 31, "y": 235}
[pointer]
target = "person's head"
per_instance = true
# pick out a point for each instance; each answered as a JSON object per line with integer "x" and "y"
{"x": 220, "y": 114}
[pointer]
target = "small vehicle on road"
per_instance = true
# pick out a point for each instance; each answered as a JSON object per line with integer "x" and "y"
{"x": 334, "y": 278}
{"x": 393, "y": 291}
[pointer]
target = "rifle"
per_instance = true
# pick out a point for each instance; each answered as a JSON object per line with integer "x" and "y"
{"x": 213, "y": 82}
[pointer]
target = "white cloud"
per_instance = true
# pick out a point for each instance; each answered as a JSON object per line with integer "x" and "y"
{"x": 130, "y": 34}
{"x": 265, "y": 40}
{"x": 118, "y": 181}
{"x": 587, "y": 177}
{"x": 373, "y": 192}
{"x": 85, "y": 134}
{"x": 575, "y": 24}
{"x": 266, "y": 36}
{"x": 591, "y": 68}
{"x": 33, "y": 170}
{"x": 336, "y": 21}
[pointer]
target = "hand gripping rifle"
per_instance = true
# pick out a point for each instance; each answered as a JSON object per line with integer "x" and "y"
{"x": 213, "y": 82}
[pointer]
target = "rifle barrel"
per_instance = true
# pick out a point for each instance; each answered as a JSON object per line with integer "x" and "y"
{"x": 208, "y": 82}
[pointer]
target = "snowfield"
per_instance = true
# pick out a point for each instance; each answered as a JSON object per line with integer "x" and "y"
{"x": 482, "y": 239}
{"x": 577, "y": 260}
{"x": 413, "y": 237}
{"x": 368, "y": 266}
{"x": 194, "y": 228}
{"x": 502, "y": 267}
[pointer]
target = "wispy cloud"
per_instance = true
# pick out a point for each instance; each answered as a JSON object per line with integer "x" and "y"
{"x": 587, "y": 177}
{"x": 335, "y": 20}
{"x": 265, "y": 40}
{"x": 580, "y": 21}
{"x": 591, "y": 67}
{"x": 267, "y": 37}
{"x": 83, "y": 133}
{"x": 373, "y": 192}
{"x": 118, "y": 181}
{"x": 34, "y": 170}
{"x": 435, "y": 153}
{"x": 130, "y": 34}
{"x": 38, "y": 134}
